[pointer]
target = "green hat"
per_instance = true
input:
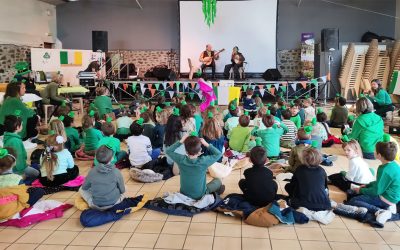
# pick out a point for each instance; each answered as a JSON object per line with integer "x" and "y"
{"x": 17, "y": 112}
{"x": 268, "y": 112}
{"x": 351, "y": 118}
{"x": 338, "y": 95}
{"x": 140, "y": 121}
{"x": 194, "y": 133}
{"x": 314, "y": 121}
{"x": 308, "y": 129}
{"x": 232, "y": 106}
{"x": 183, "y": 102}
{"x": 144, "y": 109}
{"x": 361, "y": 95}
{"x": 386, "y": 138}
{"x": 121, "y": 106}
{"x": 314, "y": 144}
{"x": 307, "y": 96}
{"x": 283, "y": 107}
{"x": 258, "y": 141}
{"x": 212, "y": 103}
{"x": 296, "y": 97}
{"x": 22, "y": 68}
{"x": 167, "y": 104}
{"x": 71, "y": 114}
{"x": 61, "y": 118}
{"x": 3, "y": 153}
{"x": 51, "y": 132}
{"x": 91, "y": 113}
{"x": 63, "y": 103}
{"x": 176, "y": 112}
{"x": 246, "y": 112}
{"x": 291, "y": 103}
{"x": 269, "y": 105}
{"x": 210, "y": 114}
{"x": 320, "y": 111}
{"x": 159, "y": 109}
{"x": 345, "y": 138}
{"x": 109, "y": 119}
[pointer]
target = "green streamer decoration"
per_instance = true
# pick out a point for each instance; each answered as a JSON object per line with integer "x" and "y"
{"x": 209, "y": 11}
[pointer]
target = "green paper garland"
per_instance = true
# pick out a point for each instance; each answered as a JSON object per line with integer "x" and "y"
{"x": 209, "y": 11}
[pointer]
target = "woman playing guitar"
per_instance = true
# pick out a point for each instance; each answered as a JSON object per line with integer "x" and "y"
{"x": 208, "y": 58}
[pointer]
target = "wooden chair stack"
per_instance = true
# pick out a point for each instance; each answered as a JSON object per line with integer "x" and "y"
{"x": 371, "y": 60}
{"x": 395, "y": 58}
{"x": 351, "y": 71}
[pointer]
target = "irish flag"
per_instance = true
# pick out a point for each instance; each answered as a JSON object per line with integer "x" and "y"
{"x": 71, "y": 58}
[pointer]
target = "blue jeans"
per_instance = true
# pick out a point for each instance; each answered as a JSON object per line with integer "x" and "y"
{"x": 121, "y": 155}
{"x": 369, "y": 156}
{"x": 372, "y": 203}
{"x": 155, "y": 153}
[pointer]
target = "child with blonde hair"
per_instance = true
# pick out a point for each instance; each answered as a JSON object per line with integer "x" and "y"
{"x": 159, "y": 129}
{"x": 188, "y": 122}
{"x": 309, "y": 110}
{"x": 359, "y": 172}
{"x": 92, "y": 135}
{"x": 58, "y": 127}
{"x": 213, "y": 134}
{"x": 57, "y": 163}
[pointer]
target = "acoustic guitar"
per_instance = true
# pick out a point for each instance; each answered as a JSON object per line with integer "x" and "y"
{"x": 209, "y": 59}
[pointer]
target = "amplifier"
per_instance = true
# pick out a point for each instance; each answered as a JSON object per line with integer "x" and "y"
{"x": 394, "y": 130}
{"x": 87, "y": 82}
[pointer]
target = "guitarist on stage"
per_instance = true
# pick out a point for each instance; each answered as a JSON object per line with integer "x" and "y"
{"x": 237, "y": 60}
{"x": 208, "y": 58}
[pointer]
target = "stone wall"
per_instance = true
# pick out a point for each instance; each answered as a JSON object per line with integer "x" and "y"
{"x": 289, "y": 63}
{"x": 146, "y": 59}
{"x": 9, "y": 55}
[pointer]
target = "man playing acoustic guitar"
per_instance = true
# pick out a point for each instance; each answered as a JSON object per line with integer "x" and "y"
{"x": 208, "y": 58}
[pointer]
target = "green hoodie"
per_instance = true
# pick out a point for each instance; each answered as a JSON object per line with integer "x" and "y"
{"x": 8, "y": 108}
{"x": 367, "y": 130}
{"x": 387, "y": 183}
{"x": 103, "y": 105}
{"x": 14, "y": 141}
{"x": 382, "y": 98}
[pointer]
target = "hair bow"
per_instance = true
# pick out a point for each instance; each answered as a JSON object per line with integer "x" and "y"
{"x": 17, "y": 112}
{"x": 268, "y": 112}
{"x": 183, "y": 102}
{"x": 144, "y": 109}
{"x": 246, "y": 113}
{"x": 307, "y": 96}
{"x": 176, "y": 112}
{"x": 23, "y": 81}
{"x": 232, "y": 106}
{"x": 338, "y": 95}
{"x": 314, "y": 121}
{"x": 258, "y": 141}
{"x": 345, "y": 138}
{"x": 386, "y": 138}
{"x": 140, "y": 121}
{"x": 194, "y": 133}
{"x": 63, "y": 104}
{"x": 61, "y": 118}
{"x": 71, "y": 114}
{"x": 269, "y": 105}
{"x": 314, "y": 144}
{"x": 159, "y": 109}
{"x": 283, "y": 107}
{"x": 291, "y": 103}
{"x": 351, "y": 118}
{"x": 361, "y": 95}
{"x": 308, "y": 129}
{"x": 3, "y": 153}
{"x": 109, "y": 119}
{"x": 212, "y": 104}
{"x": 59, "y": 139}
{"x": 91, "y": 113}
{"x": 51, "y": 132}
{"x": 210, "y": 114}
{"x": 167, "y": 104}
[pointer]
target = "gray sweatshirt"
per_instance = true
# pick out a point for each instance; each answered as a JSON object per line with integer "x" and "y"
{"x": 105, "y": 183}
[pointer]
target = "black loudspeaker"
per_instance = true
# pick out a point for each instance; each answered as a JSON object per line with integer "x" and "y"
{"x": 163, "y": 74}
{"x": 99, "y": 40}
{"x": 329, "y": 40}
{"x": 272, "y": 75}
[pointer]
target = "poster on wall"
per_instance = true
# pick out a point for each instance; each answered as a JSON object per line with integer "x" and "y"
{"x": 307, "y": 54}
{"x": 67, "y": 62}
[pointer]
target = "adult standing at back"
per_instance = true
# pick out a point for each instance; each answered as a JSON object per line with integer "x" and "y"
{"x": 12, "y": 101}
{"x": 367, "y": 128}
{"x": 380, "y": 98}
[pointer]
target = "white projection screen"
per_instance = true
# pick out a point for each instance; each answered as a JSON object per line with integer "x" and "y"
{"x": 250, "y": 25}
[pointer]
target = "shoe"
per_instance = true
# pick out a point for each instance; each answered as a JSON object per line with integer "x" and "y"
{"x": 221, "y": 190}
{"x": 333, "y": 204}
{"x": 382, "y": 216}
{"x": 332, "y": 157}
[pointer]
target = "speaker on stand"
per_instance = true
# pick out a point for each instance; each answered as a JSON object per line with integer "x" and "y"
{"x": 329, "y": 44}
{"x": 99, "y": 41}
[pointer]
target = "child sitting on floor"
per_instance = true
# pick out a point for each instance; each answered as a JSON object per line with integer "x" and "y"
{"x": 92, "y": 135}
{"x": 359, "y": 172}
{"x": 322, "y": 119}
{"x": 57, "y": 163}
{"x": 309, "y": 110}
{"x": 148, "y": 124}
{"x": 294, "y": 110}
{"x": 239, "y": 137}
{"x": 308, "y": 187}
{"x": 339, "y": 113}
{"x": 226, "y": 114}
{"x": 159, "y": 129}
{"x": 188, "y": 122}
{"x": 258, "y": 186}
{"x": 257, "y": 122}
{"x": 108, "y": 130}
{"x": 57, "y": 126}
{"x": 7, "y": 161}
{"x": 213, "y": 134}
{"x": 249, "y": 104}
{"x": 104, "y": 185}
{"x": 123, "y": 126}
{"x": 198, "y": 119}
{"x": 232, "y": 121}
{"x": 381, "y": 196}
{"x": 288, "y": 139}
{"x": 303, "y": 142}
{"x": 193, "y": 167}
{"x": 73, "y": 140}
{"x": 12, "y": 139}
{"x": 103, "y": 103}
{"x": 139, "y": 145}
{"x": 299, "y": 103}
{"x": 270, "y": 136}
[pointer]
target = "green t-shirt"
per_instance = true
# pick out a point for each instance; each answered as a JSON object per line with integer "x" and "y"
{"x": 103, "y": 104}
{"x": 73, "y": 138}
{"x": 239, "y": 139}
{"x": 92, "y": 138}
{"x": 14, "y": 141}
{"x": 271, "y": 140}
{"x": 297, "y": 120}
{"x": 115, "y": 145}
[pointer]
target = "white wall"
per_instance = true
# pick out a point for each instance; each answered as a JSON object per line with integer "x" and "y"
{"x": 26, "y": 22}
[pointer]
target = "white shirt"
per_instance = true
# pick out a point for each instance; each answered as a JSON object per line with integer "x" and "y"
{"x": 231, "y": 123}
{"x": 309, "y": 113}
{"x": 359, "y": 171}
{"x": 139, "y": 149}
{"x": 124, "y": 122}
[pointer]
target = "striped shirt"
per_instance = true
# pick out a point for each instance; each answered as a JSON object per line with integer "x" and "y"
{"x": 292, "y": 131}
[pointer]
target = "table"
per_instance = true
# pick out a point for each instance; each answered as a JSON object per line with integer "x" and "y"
{"x": 66, "y": 90}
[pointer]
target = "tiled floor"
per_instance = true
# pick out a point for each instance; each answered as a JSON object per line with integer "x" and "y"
{"x": 147, "y": 229}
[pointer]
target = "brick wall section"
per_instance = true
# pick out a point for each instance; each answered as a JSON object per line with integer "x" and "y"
{"x": 289, "y": 63}
{"x": 9, "y": 55}
{"x": 146, "y": 59}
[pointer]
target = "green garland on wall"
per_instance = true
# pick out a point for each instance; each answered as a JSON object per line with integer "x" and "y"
{"x": 209, "y": 11}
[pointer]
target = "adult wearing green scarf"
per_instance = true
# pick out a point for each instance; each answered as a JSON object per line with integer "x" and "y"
{"x": 367, "y": 128}
{"x": 12, "y": 101}
{"x": 380, "y": 98}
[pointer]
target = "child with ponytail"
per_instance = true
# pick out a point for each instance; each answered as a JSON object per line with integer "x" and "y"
{"x": 212, "y": 133}
{"x": 57, "y": 164}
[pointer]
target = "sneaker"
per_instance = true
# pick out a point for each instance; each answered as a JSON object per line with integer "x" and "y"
{"x": 332, "y": 157}
{"x": 221, "y": 190}
{"x": 383, "y": 215}
{"x": 333, "y": 204}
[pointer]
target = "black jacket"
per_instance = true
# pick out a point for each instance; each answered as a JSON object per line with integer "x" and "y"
{"x": 308, "y": 188}
{"x": 258, "y": 187}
